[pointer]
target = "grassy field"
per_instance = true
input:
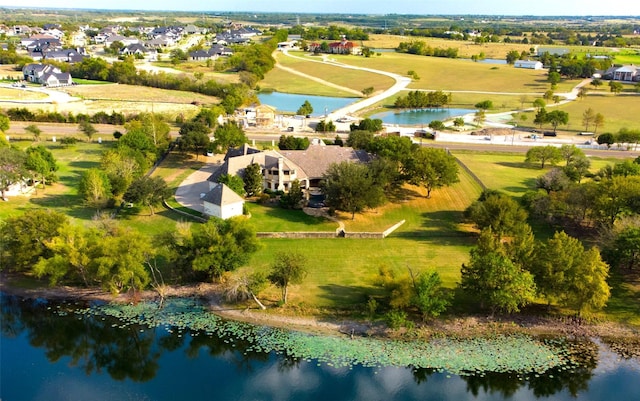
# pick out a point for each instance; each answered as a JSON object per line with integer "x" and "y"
{"x": 283, "y": 81}
{"x": 446, "y": 74}
{"x": 353, "y": 79}
{"x": 619, "y": 111}
{"x": 132, "y": 93}
{"x": 466, "y": 49}
{"x": 192, "y": 67}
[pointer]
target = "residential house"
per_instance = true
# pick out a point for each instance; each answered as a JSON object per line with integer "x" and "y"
{"x": 342, "y": 47}
{"x": 213, "y": 53}
{"x": 159, "y": 42}
{"x": 37, "y": 42}
{"x": 222, "y": 202}
{"x": 64, "y": 55}
{"x": 137, "y": 49}
{"x": 265, "y": 115}
{"x": 627, "y": 73}
{"x": 280, "y": 168}
{"x": 46, "y": 74}
{"x": 529, "y": 64}
{"x": 126, "y": 41}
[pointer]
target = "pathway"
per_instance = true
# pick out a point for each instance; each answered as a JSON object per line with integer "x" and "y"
{"x": 54, "y": 96}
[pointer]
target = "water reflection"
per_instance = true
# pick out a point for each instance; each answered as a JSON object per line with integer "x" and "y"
{"x": 159, "y": 359}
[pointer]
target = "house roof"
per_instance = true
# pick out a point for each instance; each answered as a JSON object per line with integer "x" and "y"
{"x": 315, "y": 160}
{"x": 222, "y": 195}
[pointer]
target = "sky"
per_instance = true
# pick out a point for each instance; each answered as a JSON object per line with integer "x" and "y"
{"x": 458, "y": 7}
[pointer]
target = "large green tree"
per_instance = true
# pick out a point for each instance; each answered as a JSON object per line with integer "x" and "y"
{"x": 351, "y": 187}
{"x": 543, "y": 154}
{"x": 213, "y": 248}
{"x": 493, "y": 279}
{"x": 148, "y": 191}
{"x": 229, "y": 135}
{"x": 253, "y": 179}
{"x": 567, "y": 274}
{"x": 12, "y": 167}
{"x": 26, "y": 236}
{"x": 432, "y": 168}
{"x": 41, "y": 161}
{"x": 497, "y": 211}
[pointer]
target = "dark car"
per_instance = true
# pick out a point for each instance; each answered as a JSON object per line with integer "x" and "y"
{"x": 549, "y": 133}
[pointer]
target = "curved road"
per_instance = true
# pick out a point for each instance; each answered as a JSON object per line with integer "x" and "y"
{"x": 401, "y": 84}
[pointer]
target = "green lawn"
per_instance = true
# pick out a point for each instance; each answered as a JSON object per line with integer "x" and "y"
{"x": 273, "y": 218}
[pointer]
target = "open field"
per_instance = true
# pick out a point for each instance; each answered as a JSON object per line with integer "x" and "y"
{"x": 353, "y": 79}
{"x": 619, "y": 111}
{"x": 437, "y": 73}
{"x": 191, "y": 67}
{"x": 283, "y": 81}
{"x": 7, "y": 94}
{"x": 466, "y": 49}
{"x": 133, "y": 93}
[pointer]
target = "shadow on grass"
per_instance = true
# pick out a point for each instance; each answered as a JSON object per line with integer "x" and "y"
{"x": 72, "y": 205}
{"x": 293, "y": 216}
{"x": 82, "y": 165}
{"x": 624, "y": 304}
{"x": 520, "y": 165}
{"x": 440, "y": 225}
{"x": 343, "y": 296}
{"x": 527, "y": 184}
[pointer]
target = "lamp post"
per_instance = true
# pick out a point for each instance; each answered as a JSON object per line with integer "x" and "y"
{"x": 513, "y": 132}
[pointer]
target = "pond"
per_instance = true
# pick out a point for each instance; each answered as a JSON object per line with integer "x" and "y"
{"x": 419, "y": 117}
{"x": 289, "y": 102}
{"x": 65, "y": 351}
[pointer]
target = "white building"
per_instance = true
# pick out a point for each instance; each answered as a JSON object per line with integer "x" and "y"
{"x": 532, "y": 65}
{"x": 222, "y": 202}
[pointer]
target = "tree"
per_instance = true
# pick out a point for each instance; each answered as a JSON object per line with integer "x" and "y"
{"x": 479, "y": 117}
{"x": 216, "y": 247}
{"x": 588, "y": 116}
{"x": 4, "y": 123}
{"x": 34, "y": 130}
{"x": 122, "y": 165}
{"x": 512, "y": 57}
{"x": 458, "y": 122}
{"x": 553, "y": 181}
{"x": 12, "y": 167}
{"x": 496, "y": 211}
{"x": 615, "y": 87}
{"x": 243, "y": 287}
{"x": 553, "y": 78}
{"x": 484, "y": 105}
{"x": 606, "y": 139}
{"x": 436, "y": 125}
{"x": 288, "y": 268}
{"x": 368, "y": 124}
{"x": 557, "y": 117}
{"x": 543, "y": 154}
{"x": 493, "y": 279}
{"x": 234, "y": 182}
{"x": 564, "y": 272}
{"x": 430, "y": 298}
{"x": 432, "y": 168}
{"x": 305, "y": 110}
{"x": 95, "y": 188}
{"x": 41, "y": 162}
{"x": 359, "y": 139}
{"x": 74, "y": 252}
{"x": 26, "y": 237}
{"x": 87, "y": 128}
{"x": 523, "y": 99}
{"x": 229, "y": 135}
{"x": 539, "y": 104}
{"x": 582, "y": 92}
{"x": 293, "y": 199}
{"x": 625, "y": 250}
{"x": 148, "y": 191}
{"x": 253, "y": 179}
{"x": 350, "y": 187}
{"x": 194, "y": 135}
{"x": 598, "y": 121}
{"x": 570, "y": 153}
{"x": 548, "y": 95}
{"x": 596, "y": 83}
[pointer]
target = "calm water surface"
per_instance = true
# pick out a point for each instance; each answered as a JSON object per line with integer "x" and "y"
{"x": 292, "y": 102}
{"x": 45, "y": 356}
{"x": 417, "y": 117}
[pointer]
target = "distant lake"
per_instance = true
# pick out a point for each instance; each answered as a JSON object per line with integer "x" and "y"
{"x": 417, "y": 117}
{"x": 291, "y": 102}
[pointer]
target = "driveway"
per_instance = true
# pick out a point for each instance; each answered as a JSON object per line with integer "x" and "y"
{"x": 190, "y": 190}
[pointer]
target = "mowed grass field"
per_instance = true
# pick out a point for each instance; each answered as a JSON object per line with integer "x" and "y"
{"x": 349, "y": 78}
{"x": 20, "y": 94}
{"x": 279, "y": 80}
{"x": 437, "y": 73}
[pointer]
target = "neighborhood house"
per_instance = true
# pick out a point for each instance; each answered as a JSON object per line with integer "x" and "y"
{"x": 46, "y": 75}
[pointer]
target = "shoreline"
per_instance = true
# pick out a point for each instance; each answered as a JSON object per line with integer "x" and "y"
{"x": 457, "y": 326}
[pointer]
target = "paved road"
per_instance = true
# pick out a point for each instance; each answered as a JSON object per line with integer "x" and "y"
{"x": 401, "y": 84}
{"x": 54, "y": 96}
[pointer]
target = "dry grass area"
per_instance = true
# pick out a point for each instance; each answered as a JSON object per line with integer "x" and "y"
{"x": 132, "y": 93}
{"x": 8, "y": 94}
{"x": 8, "y": 71}
{"x": 465, "y": 48}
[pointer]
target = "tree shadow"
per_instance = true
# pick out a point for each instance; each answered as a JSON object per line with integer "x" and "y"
{"x": 84, "y": 164}
{"x": 444, "y": 227}
{"x": 356, "y": 295}
{"x": 72, "y": 204}
{"x": 519, "y": 165}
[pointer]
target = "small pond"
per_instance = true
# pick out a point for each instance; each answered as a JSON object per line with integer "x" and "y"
{"x": 289, "y": 102}
{"x": 418, "y": 117}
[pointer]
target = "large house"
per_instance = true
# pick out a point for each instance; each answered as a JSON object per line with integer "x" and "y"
{"x": 342, "y": 47}
{"x": 627, "y": 73}
{"x": 281, "y": 168}
{"x": 46, "y": 74}
{"x": 529, "y": 64}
